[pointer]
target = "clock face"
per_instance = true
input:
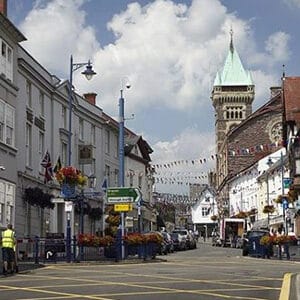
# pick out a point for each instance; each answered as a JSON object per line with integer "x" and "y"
{"x": 275, "y": 132}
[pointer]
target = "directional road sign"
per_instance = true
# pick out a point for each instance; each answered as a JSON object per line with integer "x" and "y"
{"x": 123, "y": 195}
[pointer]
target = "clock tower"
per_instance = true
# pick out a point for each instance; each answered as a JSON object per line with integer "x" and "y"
{"x": 232, "y": 97}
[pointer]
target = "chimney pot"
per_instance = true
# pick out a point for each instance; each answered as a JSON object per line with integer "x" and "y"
{"x": 3, "y": 7}
{"x": 90, "y": 97}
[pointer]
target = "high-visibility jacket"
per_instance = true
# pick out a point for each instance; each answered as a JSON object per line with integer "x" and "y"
{"x": 8, "y": 239}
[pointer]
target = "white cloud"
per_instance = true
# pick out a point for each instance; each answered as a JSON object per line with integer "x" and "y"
{"x": 277, "y": 46}
{"x": 189, "y": 147}
{"x": 56, "y": 30}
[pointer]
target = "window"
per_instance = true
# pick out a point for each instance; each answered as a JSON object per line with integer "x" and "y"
{"x": 7, "y": 123}
{"x": 64, "y": 153}
{"x": 6, "y": 60}
{"x": 204, "y": 211}
{"x": 7, "y": 203}
{"x": 28, "y": 93}
{"x": 28, "y": 144}
{"x": 116, "y": 177}
{"x": 41, "y": 148}
{"x": 10, "y": 121}
{"x": 116, "y": 146}
{"x": 106, "y": 141}
{"x": 93, "y": 166}
{"x": 64, "y": 117}
{"x": 140, "y": 180}
{"x": 93, "y": 135}
{"x": 81, "y": 129}
{"x": 41, "y": 103}
{"x": 131, "y": 175}
{"x": 107, "y": 174}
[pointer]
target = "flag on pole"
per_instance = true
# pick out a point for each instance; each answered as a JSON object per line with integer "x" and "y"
{"x": 57, "y": 166}
{"x": 47, "y": 164}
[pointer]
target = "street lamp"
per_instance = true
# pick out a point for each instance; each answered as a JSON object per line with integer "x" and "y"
{"x": 121, "y": 153}
{"x": 89, "y": 73}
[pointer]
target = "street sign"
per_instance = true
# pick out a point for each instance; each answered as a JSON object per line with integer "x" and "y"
{"x": 123, "y": 195}
{"x": 68, "y": 206}
{"x": 92, "y": 194}
{"x": 123, "y": 207}
{"x": 285, "y": 203}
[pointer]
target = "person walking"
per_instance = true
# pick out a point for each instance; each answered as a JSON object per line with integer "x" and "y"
{"x": 8, "y": 244}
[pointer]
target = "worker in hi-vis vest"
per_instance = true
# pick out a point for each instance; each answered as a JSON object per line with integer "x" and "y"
{"x": 8, "y": 246}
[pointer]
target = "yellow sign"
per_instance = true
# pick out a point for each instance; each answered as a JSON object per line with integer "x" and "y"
{"x": 123, "y": 207}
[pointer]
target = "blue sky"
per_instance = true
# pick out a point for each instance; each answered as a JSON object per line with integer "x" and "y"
{"x": 171, "y": 51}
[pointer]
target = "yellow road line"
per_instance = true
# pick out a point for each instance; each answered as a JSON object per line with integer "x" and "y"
{"x": 285, "y": 289}
{"x": 70, "y": 295}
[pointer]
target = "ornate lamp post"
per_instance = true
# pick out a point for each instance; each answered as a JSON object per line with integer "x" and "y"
{"x": 89, "y": 73}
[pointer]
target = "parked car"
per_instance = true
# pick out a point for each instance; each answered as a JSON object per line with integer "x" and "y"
{"x": 168, "y": 241}
{"x": 188, "y": 238}
{"x": 179, "y": 241}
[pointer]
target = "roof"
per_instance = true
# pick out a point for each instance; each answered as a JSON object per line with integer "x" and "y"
{"x": 291, "y": 94}
{"x": 11, "y": 29}
{"x": 131, "y": 141}
{"x": 233, "y": 72}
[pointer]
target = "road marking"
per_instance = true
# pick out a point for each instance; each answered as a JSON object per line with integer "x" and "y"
{"x": 285, "y": 289}
{"x": 69, "y": 295}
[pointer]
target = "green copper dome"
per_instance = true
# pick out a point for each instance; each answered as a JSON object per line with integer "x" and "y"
{"x": 233, "y": 72}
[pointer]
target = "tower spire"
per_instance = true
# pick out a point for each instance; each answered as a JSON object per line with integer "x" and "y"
{"x": 231, "y": 40}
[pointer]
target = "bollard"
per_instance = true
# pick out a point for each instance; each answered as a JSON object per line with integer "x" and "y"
{"x": 74, "y": 249}
{"x": 36, "y": 248}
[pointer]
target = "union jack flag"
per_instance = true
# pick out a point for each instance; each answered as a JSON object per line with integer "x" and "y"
{"x": 47, "y": 164}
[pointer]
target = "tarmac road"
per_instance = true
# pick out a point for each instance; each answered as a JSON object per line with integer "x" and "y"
{"x": 204, "y": 273}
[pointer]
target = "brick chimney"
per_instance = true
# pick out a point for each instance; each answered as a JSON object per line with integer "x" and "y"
{"x": 89, "y": 97}
{"x": 3, "y": 7}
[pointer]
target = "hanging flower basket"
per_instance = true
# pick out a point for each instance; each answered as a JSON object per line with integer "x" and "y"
{"x": 269, "y": 209}
{"x": 70, "y": 176}
{"x": 252, "y": 212}
{"x": 241, "y": 214}
{"x": 37, "y": 197}
{"x": 214, "y": 218}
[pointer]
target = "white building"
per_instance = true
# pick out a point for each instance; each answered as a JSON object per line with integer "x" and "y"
{"x": 204, "y": 208}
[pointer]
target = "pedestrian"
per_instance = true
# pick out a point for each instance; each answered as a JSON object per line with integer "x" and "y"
{"x": 8, "y": 254}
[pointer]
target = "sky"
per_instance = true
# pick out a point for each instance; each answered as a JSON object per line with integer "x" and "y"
{"x": 170, "y": 52}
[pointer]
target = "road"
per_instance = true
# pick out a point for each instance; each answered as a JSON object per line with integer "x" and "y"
{"x": 204, "y": 273}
